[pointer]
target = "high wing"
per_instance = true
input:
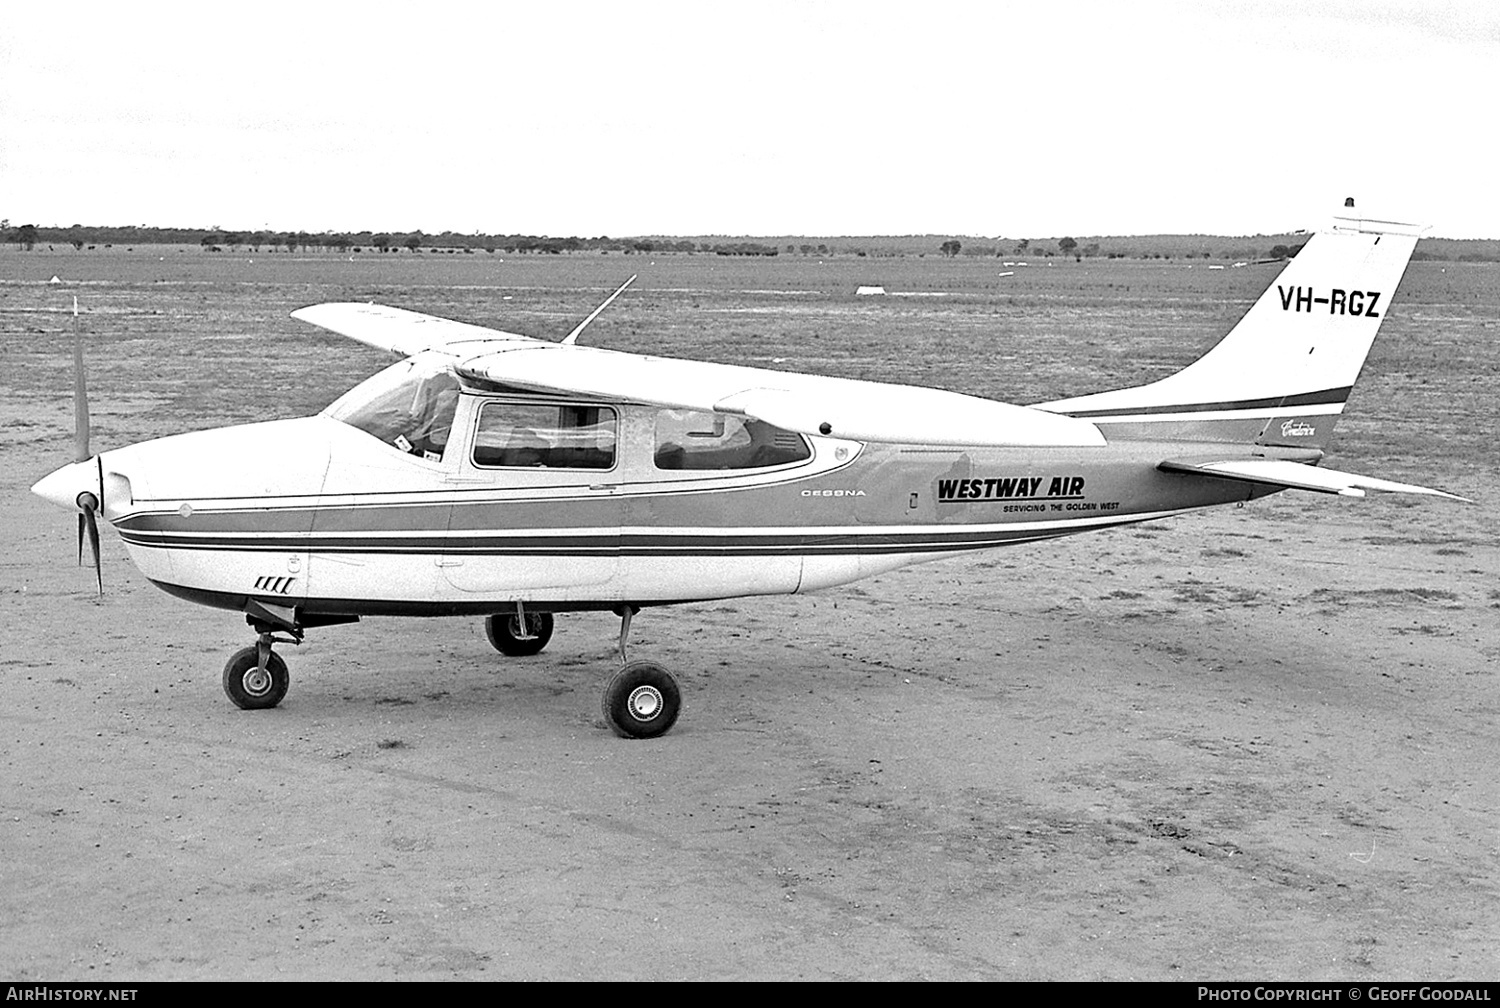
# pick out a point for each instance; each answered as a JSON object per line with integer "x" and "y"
{"x": 808, "y": 404}
{"x": 400, "y": 331}
{"x": 1297, "y": 476}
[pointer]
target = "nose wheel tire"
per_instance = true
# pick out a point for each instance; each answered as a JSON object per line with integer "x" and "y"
{"x": 251, "y": 687}
{"x": 509, "y": 637}
{"x": 641, "y": 700}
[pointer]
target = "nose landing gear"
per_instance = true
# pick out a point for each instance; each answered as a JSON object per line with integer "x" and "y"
{"x": 255, "y": 677}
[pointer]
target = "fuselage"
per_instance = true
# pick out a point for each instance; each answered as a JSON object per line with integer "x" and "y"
{"x": 599, "y": 505}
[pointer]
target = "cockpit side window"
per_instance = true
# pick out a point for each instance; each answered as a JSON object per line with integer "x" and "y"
{"x": 545, "y": 435}
{"x": 408, "y": 405}
{"x": 687, "y": 439}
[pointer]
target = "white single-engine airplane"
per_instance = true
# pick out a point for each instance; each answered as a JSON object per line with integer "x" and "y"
{"x": 493, "y": 474}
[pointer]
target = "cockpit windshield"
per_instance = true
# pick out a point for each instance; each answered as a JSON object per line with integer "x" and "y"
{"x": 409, "y": 405}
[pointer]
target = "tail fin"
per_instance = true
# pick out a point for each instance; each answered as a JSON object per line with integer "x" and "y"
{"x": 1284, "y": 372}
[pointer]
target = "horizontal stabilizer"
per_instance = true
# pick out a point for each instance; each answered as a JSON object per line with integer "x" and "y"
{"x": 1298, "y": 476}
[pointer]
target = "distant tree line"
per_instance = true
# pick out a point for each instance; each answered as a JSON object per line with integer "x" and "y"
{"x": 28, "y": 236}
{"x": 81, "y": 237}
{"x": 1069, "y": 246}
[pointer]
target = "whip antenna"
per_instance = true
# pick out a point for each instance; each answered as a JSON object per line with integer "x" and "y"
{"x": 572, "y": 336}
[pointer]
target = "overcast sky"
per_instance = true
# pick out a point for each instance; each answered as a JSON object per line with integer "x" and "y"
{"x": 750, "y": 116}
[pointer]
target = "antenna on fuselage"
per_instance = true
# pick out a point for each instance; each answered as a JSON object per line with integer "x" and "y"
{"x": 573, "y": 336}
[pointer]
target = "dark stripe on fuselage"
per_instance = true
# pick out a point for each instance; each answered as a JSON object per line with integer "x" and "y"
{"x": 1324, "y": 398}
{"x": 781, "y": 544}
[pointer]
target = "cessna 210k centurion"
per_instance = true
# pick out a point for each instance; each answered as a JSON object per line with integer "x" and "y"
{"x": 492, "y": 474}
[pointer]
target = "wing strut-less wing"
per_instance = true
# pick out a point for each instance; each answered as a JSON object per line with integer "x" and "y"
{"x": 808, "y": 404}
{"x": 402, "y": 332}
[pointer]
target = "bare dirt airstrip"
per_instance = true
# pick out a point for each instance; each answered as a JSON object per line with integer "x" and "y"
{"x": 1250, "y": 743}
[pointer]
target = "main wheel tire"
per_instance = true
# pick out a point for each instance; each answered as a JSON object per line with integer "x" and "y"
{"x": 507, "y": 636}
{"x": 250, "y": 688}
{"x": 641, "y": 700}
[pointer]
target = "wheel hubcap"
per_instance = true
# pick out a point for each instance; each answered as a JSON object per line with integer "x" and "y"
{"x": 257, "y": 681}
{"x": 645, "y": 703}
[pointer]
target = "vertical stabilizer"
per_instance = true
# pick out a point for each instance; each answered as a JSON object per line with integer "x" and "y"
{"x": 1284, "y": 372}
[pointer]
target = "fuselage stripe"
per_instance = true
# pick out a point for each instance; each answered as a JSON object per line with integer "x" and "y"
{"x": 1326, "y": 397}
{"x": 601, "y": 544}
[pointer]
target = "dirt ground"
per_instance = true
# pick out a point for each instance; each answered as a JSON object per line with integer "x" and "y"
{"x": 1251, "y": 743}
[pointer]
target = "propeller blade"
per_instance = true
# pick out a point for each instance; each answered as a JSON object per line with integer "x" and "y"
{"x": 88, "y": 522}
{"x": 80, "y": 395}
{"x": 89, "y": 503}
{"x": 87, "y": 514}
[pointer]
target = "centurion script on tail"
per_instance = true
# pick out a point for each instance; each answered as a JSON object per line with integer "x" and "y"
{"x": 495, "y": 475}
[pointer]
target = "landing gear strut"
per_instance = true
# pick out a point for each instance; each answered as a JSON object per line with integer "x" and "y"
{"x": 255, "y": 677}
{"x": 641, "y": 700}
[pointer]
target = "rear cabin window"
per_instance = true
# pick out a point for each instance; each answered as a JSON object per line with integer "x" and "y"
{"x": 545, "y": 436}
{"x": 687, "y": 439}
{"x": 409, "y": 406}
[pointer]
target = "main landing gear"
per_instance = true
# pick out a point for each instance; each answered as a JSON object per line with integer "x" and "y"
{"x": 519, "y": 634}
{"x": 641, "y": 700}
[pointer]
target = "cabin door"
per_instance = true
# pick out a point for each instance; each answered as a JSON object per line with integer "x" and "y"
{"x": 536, "y": 511}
